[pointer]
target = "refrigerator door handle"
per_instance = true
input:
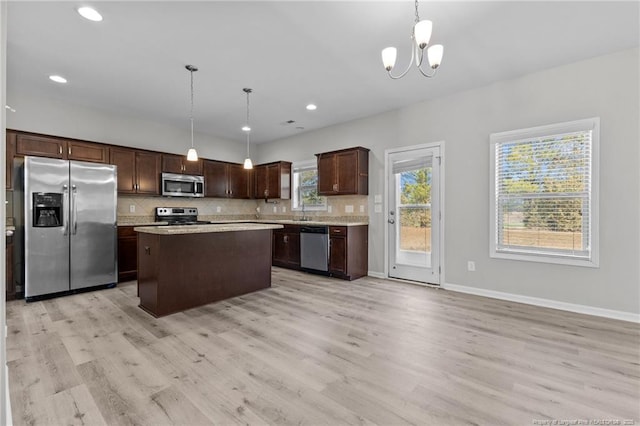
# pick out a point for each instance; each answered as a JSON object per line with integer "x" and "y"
{"x": 74, "y": 209}
{"x": 65, "y": 211}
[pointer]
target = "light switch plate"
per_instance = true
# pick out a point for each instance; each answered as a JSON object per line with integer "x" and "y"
{"x": 348, "y": 209}
{"x": 329, "y": 209}
{"x": 132, "y": 208}
{"x": 218, "y": 209}
{"x": 284, "y": 209}
{"x": 275, "y": 209}
{"x": 361, "y": 209}
{"x": 378, "y": 208}
{"x": 377, "y": 198}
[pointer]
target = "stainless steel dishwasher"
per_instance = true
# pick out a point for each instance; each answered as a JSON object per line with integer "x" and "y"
{"x": 314, "y": 249}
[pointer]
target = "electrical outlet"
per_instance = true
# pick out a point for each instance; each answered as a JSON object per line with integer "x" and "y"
{"x": 471, "y": 266}
{"x": 361, "y": 209}
{"x": 329, "y": 209}
{"x": 348, "y": 209}
{"x": 132, "y": 208}
{"x": 218, "y": 209}
{"x": 275, "y": 209}
{"x": 377, "y": 208}
{"x": 284, "y": 209}
{"x": 377, "y": 198}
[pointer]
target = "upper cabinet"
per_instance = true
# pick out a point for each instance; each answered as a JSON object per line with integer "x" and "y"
{"x": 273, "y": 180}
{"x": 225, "y": 180}
{"x": 138, "y": 171}
{"x": 179, "y": 164}
{"x": 344, "y": 172}
{"x": 49, "y": 146}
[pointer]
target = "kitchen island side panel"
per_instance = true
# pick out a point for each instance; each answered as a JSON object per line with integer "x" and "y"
{"x": 196, "y": 269}
{"x": 148, "y": 251}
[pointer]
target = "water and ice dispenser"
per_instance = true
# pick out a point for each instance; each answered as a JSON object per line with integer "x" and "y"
{"x": 47, "y": 209}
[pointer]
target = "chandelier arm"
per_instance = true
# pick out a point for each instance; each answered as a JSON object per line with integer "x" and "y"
{"x": 396, "y": 77}
{"x": 427, "y": 74}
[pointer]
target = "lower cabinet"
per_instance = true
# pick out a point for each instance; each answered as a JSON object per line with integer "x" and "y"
{"x": 348, "y": 251}
{"x": 286, "y": 247}
{"x": 127, "y": 254}
{"x": 10, "y": 284}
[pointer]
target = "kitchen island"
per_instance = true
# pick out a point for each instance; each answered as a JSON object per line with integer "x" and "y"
{"x": 181, "y": 267}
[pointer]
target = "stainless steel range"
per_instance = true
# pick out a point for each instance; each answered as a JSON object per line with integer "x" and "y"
{"x": 179, "y": 216}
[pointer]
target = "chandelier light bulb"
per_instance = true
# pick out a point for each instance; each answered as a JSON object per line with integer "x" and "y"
{"x": 434, "y": 53}
{"x": 422, "y": 33}
{"x": 389, "y": 55}
{"x": 246, "y": 128}
{"x": 248, "y": 164}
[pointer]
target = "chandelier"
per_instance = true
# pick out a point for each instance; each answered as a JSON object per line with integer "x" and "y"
{"x": 192, "y": 154}
{"x": 248, "y": 164}
{"x": 420, "y": 36}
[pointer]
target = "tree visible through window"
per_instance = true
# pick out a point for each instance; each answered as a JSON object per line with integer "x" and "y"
{"x": 305, "y": 188}
{"x": 544, "y": 192}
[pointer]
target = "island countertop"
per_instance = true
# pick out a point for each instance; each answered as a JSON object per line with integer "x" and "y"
{"x": 205, "y": 228}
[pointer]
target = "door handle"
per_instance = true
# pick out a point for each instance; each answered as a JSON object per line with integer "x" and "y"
{"x": 65, "y": 213}
{"x": 74, "y": 211}
{"x": 391, "y": 221}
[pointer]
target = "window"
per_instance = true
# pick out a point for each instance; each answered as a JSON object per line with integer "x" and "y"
{"x": 544, "y": 196}
{"x": 305, "y": 187}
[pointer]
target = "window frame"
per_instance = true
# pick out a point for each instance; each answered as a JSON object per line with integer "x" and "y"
{"x": 541, "y": 254}
{"x": 295, "y": 202}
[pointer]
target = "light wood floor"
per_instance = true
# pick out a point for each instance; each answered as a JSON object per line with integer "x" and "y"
{"x": 313, "y": 351}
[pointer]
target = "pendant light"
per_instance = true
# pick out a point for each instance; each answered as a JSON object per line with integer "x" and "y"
{"x": 248, "y": 164}
{"x": 192, "y": 154}
{"x": 420, "y": 37}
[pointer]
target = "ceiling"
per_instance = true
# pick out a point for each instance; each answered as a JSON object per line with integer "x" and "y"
{"x": 291, "y": 53}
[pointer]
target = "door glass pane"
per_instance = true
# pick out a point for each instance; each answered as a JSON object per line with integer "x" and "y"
{"x": 413, "y": 195}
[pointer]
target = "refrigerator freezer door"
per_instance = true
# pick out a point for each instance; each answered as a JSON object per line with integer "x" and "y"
{"x": 93, "y": 197}
{"x": 46, "y": 247}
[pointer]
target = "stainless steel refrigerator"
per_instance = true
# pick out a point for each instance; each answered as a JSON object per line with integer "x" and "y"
{"x": 69, "y": 226}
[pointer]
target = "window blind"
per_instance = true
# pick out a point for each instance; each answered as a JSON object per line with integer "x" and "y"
{"x": 543, "y": 194}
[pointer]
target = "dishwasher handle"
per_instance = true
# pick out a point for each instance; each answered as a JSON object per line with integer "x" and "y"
{"x": 315, "y": 229}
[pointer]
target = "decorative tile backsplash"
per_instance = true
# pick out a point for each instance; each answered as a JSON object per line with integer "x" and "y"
{"x": 142, "y": 209}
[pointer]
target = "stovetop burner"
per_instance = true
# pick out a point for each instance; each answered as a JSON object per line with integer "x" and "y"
{"x": 179, "y": 216}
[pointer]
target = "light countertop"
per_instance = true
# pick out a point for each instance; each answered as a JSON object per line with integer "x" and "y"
{"x": 204, "y": 229}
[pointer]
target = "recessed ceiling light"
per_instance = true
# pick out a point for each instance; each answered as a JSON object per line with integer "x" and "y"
{"x": 246, "y": 128}
{"x": 312, "y": 107}
{"x": 90, "y": 14}
{"x": 57, "y": 79}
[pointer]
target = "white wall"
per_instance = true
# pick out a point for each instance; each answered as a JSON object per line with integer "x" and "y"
{"x": 55, "y": 117}
{"x": 605, "y": 86}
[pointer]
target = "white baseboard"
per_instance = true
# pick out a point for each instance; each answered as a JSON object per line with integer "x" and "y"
{"x": 376, "y": 274}
{"x": 547, "y": 303}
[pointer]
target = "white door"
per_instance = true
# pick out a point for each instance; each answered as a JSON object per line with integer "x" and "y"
{"x": 413, "y": 214}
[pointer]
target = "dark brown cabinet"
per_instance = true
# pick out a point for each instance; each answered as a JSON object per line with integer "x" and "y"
{"x": 344, "y": 172}
{"x": 127, "y": 254}
{"x": 11, "y": 150}
{"x": 179, "y": 164}
{"x": 225, "y": 180}
{"x": 348, "y": 251}
{"x": 138, "y": 171}
{"x": 53, "y": 147}
{"x": 10, "y": 290}
{"x": 286, "y": 247}
{"x": 273, "y": 180}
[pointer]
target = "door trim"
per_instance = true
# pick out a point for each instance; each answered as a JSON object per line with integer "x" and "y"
{"x": 387, "y": 153}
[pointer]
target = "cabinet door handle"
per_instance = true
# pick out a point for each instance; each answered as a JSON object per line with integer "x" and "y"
{"x": 69, "y": 150}
{"x": 60, "y": 149}
{"x": 286, "y": 239}
{"x": 335, "y": 186}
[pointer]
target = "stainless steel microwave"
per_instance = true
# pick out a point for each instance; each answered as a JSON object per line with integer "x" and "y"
{"x": 178, "y": 185}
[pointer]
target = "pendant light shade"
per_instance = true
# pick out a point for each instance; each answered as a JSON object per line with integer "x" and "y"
{"x": 192, "y": 154}
{"x": 248, "y": 164}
